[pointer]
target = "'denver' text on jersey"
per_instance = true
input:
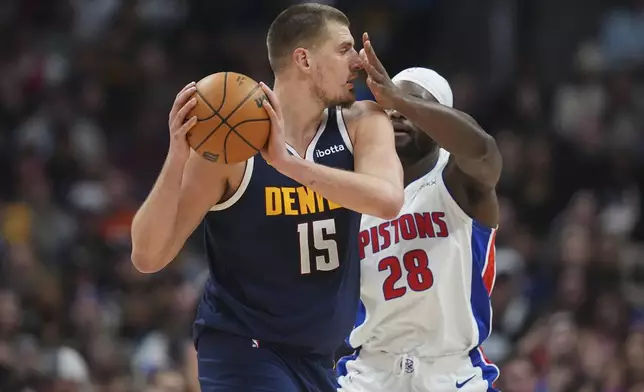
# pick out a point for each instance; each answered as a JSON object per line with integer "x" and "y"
{"x": 284, "y": 264}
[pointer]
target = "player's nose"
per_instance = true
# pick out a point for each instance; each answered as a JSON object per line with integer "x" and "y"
{"x": 356, "y": 62}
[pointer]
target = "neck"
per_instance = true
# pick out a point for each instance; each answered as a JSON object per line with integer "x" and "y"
{"x": 414, "y": 171}
{"x": 301, "y": 109}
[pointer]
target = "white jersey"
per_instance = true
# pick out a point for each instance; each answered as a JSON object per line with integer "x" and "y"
{"x": 426, "y": 275}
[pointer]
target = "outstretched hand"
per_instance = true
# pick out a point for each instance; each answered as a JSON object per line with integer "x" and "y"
{"x": 378, "y": 81}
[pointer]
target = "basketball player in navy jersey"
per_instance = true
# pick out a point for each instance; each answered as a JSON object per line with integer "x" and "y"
{"x": 280, "y": 229}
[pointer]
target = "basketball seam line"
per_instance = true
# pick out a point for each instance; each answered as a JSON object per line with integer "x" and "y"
{"x": 214, "y": 113}
{"x": 226, "y": 142}
{"x": 232, "y": 129}
{"x": 225, "y": 120}
{"x": 223, "y": 95}
{"x": 223, "y": 100}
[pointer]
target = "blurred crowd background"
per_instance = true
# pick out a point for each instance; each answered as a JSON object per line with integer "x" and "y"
{"x": 85, "y": 89}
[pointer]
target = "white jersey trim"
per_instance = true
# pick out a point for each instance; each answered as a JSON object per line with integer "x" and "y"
{"x": 248, "y": 173}
{"x": 487, "y": 261}
{"x": 342, "y": 126}
{"x": 443, "y": 160}
{"x": 308, "y": 154}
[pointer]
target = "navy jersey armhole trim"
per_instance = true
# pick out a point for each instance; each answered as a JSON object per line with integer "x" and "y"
{"x": 342, "y": 127}
{"x": 248, "y": 173}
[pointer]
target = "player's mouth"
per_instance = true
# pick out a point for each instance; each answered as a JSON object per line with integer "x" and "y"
{"x": 350, "y": 80}
{"x": 402, "y": 131}
{"x": 402, "y": 126}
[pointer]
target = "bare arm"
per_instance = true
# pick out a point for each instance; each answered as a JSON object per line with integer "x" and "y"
{"x": 179, "y": 200}
{"x": 475, "y": 151}
{"x": 376, "y": 186}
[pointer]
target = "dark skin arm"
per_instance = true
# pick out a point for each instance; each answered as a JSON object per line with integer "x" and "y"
{"x": 475, "y": 165}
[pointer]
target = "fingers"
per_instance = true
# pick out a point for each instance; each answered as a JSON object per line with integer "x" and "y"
{"x": 363, "y": 56}
{"x": 180, "y": 117}
{"x": 271, "y": 112}
{"x": 371, "y": 62}
{"x": 185, "y": 128}
{"x": 182, "y": 98}
{"x": 276, "y": 136}
{"x": 372, "y": 84}
{"x": 372, "y": 57}
{"x": 275, "y": 105}
{"x": 275, "y": 129}
{"x": 371, "y": 70}
{"x": 181, "y": 101}
{"x": 187, "y": 86}
{"x": 375, "y": 87}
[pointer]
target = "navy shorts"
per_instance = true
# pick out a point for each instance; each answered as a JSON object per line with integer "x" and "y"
{"x": 231, "y": 363}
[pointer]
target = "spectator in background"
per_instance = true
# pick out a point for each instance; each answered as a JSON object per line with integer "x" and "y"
{"x": 84, "y": 95}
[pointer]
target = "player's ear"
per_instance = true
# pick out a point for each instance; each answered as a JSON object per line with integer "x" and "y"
{"x": 302, "y": 59}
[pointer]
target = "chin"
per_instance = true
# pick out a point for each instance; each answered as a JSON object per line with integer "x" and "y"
{"x": 344, "y": 101}
{"x": 425, "y": 145}
{"x": 350, "y": 98}
{"x": 407, "y": 152}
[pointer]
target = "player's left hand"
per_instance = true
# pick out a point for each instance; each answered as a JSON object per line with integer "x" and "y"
{"x": 378, "y": 81}
{"x": 275, "y": 150}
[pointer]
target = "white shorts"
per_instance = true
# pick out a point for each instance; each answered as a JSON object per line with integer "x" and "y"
{"x": 383, "y": 372}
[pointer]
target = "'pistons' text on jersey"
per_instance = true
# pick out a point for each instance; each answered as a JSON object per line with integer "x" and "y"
{"x": 408, "y": 227}
{"x": 426, "y": 275}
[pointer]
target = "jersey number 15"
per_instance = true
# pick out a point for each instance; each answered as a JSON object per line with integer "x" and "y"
{"x": 328, "y": 260}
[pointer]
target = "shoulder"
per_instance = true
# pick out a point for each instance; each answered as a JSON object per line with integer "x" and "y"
{"x": 364, "y": 115}
{"x": 361, "y": 110}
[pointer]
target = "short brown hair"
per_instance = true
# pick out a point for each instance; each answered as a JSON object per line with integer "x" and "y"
{"x": 300, "y": 25}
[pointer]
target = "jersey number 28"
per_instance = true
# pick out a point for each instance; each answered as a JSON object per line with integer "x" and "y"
{"x": 419, "y": 276}
{"x": 322, "y": 229}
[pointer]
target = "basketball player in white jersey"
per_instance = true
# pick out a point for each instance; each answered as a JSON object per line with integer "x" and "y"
{"x": 427, "y": 275}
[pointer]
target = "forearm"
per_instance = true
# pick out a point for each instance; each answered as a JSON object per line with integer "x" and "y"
{"x": 452, "y": 129}
{"x": 355, "y": 191}
{"x": 153, "y": 227}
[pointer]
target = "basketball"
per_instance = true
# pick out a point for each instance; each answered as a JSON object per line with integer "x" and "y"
{"x": 232, "y": 124}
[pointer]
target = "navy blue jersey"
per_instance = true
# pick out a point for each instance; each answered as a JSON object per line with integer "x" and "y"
{"x": 284, "y": 265}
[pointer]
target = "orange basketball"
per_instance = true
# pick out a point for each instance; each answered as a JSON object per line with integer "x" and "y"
{"x": 232, "y": 124}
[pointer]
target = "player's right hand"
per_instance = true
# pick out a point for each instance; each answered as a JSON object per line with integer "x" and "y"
{"x": 274, "y": 152}
{"x": 179, "y": 127}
